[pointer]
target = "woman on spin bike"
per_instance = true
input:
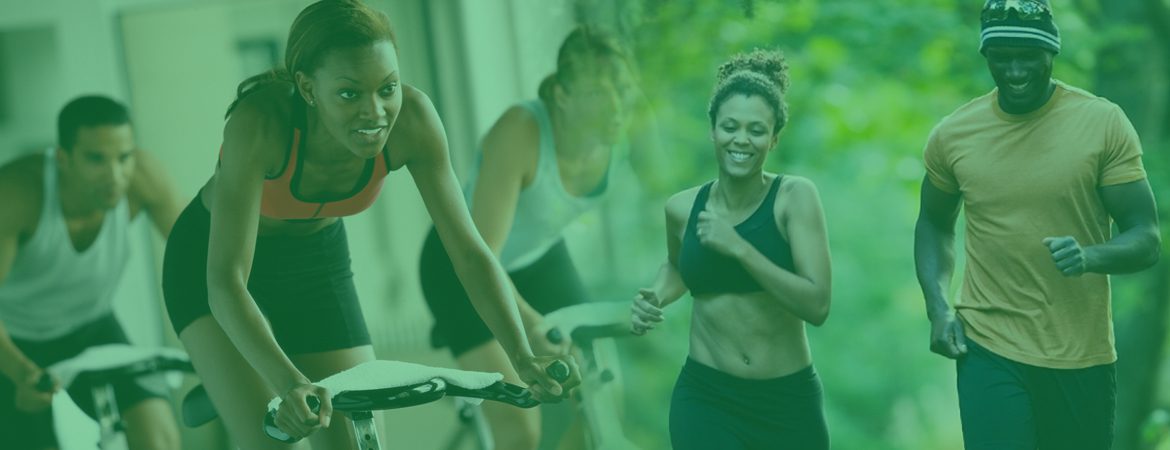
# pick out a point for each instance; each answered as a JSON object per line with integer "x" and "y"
{"x": 257, "y": 272}
{"x": 545, "y": 162}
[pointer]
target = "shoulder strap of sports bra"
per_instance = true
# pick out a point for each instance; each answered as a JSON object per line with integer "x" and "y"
{"x": 700, "y": 203}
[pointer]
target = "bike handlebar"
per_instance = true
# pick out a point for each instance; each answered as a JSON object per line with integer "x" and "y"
{"x": 587, "y": 333}
{"x": 351, "y": 402}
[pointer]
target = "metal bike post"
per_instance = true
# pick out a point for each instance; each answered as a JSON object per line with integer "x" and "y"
{"x": 364, "y": 430}
{"x": 483, "y": 431}
{"x": 113, "y": 432}
{"x": 600, "y": 401}
{"x": 471, "y": 423}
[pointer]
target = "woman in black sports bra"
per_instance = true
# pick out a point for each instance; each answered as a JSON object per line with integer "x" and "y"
{"x": 752, "y": 249}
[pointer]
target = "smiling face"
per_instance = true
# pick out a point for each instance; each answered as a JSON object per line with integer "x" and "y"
{"x": 357, "y": 95}
{"x": 100, "y": 163}
{"x": 1023, "y": 76}
{"x": 743, "y": 135}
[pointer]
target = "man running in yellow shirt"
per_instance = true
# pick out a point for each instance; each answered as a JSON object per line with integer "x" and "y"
{"x": 1041, "y": 167}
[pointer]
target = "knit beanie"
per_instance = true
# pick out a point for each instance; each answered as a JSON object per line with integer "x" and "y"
{"x": 1018, "y": 23}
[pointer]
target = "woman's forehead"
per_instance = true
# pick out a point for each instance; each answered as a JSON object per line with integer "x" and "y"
{"x": 743, "y": 108}
{"x": 376, "y": 61}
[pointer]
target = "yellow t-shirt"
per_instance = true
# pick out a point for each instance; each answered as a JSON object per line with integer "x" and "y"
{"x": 1023, "y": 178}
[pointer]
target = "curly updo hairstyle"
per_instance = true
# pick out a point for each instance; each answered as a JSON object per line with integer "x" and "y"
{"x": 759, "y": 73}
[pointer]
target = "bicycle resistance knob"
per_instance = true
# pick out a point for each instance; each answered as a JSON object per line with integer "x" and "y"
{"x": 558, "y": 370}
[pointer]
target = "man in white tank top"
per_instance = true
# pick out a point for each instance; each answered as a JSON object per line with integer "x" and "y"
{"x": 63, "y": 244}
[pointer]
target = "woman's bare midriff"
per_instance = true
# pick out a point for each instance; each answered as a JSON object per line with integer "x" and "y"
{"x": 748, "y": 336}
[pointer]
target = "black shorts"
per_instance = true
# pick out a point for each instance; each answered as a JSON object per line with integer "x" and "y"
{"x": 19, "y": 430}
{"x": 1007, "y": 405}
{"x": 302, "y": 284}
{"x": 711, "y": 409}
{"x": 547, "y": 285}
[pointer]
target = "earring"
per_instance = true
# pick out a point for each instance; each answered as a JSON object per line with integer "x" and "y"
{"x": 312, "y": 103}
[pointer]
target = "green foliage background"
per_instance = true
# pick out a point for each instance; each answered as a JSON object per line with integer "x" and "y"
{"x": 869, "y": 80}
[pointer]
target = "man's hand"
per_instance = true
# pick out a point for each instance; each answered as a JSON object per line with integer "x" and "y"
{"x": 947, "y": 337}
{"x": 29, "y": 398}
{"x": 1071, "y": 259}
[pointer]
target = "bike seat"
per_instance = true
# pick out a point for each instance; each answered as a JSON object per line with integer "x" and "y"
{"x": 198, "y": 410}
{"x": 105, "y": 363}
{"x": 382, "y": 378}
{"x": 381, "y": 385}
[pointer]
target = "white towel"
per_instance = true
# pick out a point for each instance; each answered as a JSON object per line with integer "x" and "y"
{"x": 390, "y": 374}
{"x": 588, "y": 315}
{"x": 110, "y": 356}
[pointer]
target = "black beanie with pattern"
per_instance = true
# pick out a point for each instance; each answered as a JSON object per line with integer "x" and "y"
{"x": 1025, "y": 23}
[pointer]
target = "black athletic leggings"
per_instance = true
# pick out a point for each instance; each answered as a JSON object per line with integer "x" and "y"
{"x": 711, "y": 409}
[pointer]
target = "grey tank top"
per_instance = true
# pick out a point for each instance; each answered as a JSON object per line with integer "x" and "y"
{"x": 544, "y": 208}
{"x": 52, "y": 288}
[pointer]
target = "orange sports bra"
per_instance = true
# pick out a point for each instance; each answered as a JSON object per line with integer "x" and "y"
{"x": 280, "y": 199}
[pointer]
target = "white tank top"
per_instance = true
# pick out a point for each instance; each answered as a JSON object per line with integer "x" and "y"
{"x": 53, "y": 289}
{"x": 544, "y": 208}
